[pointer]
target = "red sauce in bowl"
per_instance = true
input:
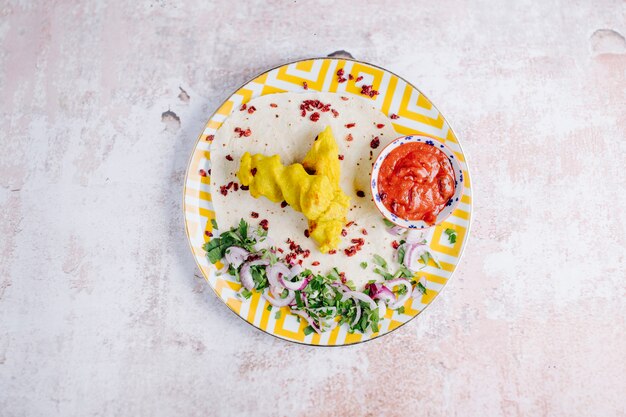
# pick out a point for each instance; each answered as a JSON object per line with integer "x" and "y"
{"x": 416, "y": 181}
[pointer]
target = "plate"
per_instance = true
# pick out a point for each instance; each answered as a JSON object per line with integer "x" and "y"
{"x": 416, "y": 116}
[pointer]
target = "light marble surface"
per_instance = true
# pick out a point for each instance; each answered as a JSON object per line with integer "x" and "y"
{"x": 102, "y": 309}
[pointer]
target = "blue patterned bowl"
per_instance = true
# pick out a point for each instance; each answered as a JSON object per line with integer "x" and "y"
{"x": 452, "y": 203}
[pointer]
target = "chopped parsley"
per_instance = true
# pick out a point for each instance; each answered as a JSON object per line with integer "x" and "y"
{"x": 363, "y": 265}
{"x": 400, "y": 310}
{"x": 245, "y": 293}
{"x": 388, "y": 223}
{"x": 451, "y": 235}
{"x": 277, "y": 315}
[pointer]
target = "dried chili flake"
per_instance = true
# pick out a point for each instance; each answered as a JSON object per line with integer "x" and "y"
{"x": 306, "y": 233}
{"x": 229, "y": 158}
{"x": 394, "y": 116}
{"x": 335, "y": 113}
{"x": 264, "y": 224}
{"x": 253, "y": 171}
{"x": 351, "y": 251}
{"x": 344, "y": 98}
{"x": 344, "y": 232}
{"x": 395, "y": 244}
{"x": 202, "y": 173}
{"x": 210, "y": 138}
{"x": 207, "y": 233}
{"x": 243, "y": 107}
{"x": 340, "y": 157}
{"x": 332, "y": 252}
{"x": 315, "y": 117}
{"x": 223, "y": 190}
{"x": 236, "y": 187}
{"x": 251, "y": 109}
{"x": 350, "y": 77}
{"x": 316, "y": 263}
{"x": 283, "y": 204}
{"x": 254, "y": 215}
{"x": 375, "y": 143}
{"x": 341, "y": 80}
{"x": 350, "y": 125}
{"x": 305, "y": 85}
{"x": 340, "y": 72}
{"x": 360, "y": 193}
{"x": 245, "y": 187}
{"x": 364, "y": 232}
{"x": 247, "y": 132}
{"x": 380, "y": 125}
{"x": 273, "y": 105}
{"x": 359, "y": 78}
{"x": 349, "y": 224}
{"x": 349, "y": 138}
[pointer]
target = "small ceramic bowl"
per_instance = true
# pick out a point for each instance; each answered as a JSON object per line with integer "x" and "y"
{"x": 458, "y": 181}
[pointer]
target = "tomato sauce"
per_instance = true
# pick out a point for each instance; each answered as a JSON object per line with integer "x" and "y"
{"x": 416, "y": 181}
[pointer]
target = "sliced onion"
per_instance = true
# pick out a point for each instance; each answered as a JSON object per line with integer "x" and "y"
{"x": 279, "y": 302}
{"x": 245, "y": 276}
{"x": 274, "y": 274}
{"x": 416, "y": 291}
{"x": 330, "y": 323}
{"x": 308, "y": 318}
{"x": 382, "y": 309}
{"x": 404, "y": 297}
{"x": 362, "y": 297}
{"x": 343, "y": 287}
{"x": 296, "y": 285}
{"x": 384, "y": 293}
{"x": 296, "y": 270}
{"x": 412, "y": 251}
{"x": 235, "y": 256}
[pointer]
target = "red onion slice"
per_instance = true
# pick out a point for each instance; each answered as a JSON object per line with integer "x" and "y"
{"x": 399, "y": 302}
{"x": 382, "y": 309}
{"x": 235, "y": 256}
{"x": 275, "y": 273}
{"x": 412, "y": 251}
{"x": 362, "y": 297}
{"x": 296, "y": 285}
{"x": 414, "y": 236}
{"x": 245, "y": 276}
{"x": 384, "y": 293}
{"x": 279, "y": 302}
{"x": 396, "y": 230}
{"x": 357, "y": 317}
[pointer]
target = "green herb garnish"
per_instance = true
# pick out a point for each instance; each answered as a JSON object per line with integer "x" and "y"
{"x": 451, "y": 235}
{"x": 245, "y": 293}
{"x": 400, "y": 310}
{"x": 277, "y": 315}
{"x": 378, "y": 260}
{"x": 308, "y": 330}
{"x": 421, "y": 288}
{"x": 363, "y": 265}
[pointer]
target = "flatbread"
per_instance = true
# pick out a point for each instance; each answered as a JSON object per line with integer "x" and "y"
{"x": 282, "y": 130}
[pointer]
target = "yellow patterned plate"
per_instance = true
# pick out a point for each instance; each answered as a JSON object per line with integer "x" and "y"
{"x": 417, "y": 116}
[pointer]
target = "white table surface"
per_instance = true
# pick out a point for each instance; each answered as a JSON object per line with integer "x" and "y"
{"x": 102, "y": 309}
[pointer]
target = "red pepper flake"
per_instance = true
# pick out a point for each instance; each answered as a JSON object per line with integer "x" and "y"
{"x": 358, "y": 241}
{"x": 364, "y": 232}
{"x": 359, "y": 78}
{"x": 229, "y": 185}
{"x": 350, "y": 125}
{"x": 264, "y": 224}
{"x": 306, "y": 253}
{"x": 395, "y": 244}
{"x": 280, "y": 250}
{"x": 340, "y": 157}
{"x": 247, "y": 132}
{"x": 243, "y": 107}
{"x": 306, "y": 233}
{"x": 245, "y": 187}
{"x": 340, "y": 72}
{"x": 303, "y": 113}
{"x": 242, "y": 132}
{"x": 335, "y": 113}
{"x": 349, "y": 224}
{"x": 210, "y": 138}
{"x": 325, "y": 108}
{"x": 344, "y": 232}
{"x": 375, "y": 143}
{"x": 273, "y": 105}
{"x": 344, "y": 98}
{"x": 315, "y": 117}
{"x": 367, "y": 90}
{"x": 380, "y": 125}
{"x": 253, "y": 171}
{"x": 283, "y": 204}
{"x": 305, "y": 85}
{"x": 202, "y": 173}
{"x": 332, "y": 252}
{"x": 349, "y": 138}
{"x": 254, "y": 215}
{"x": 223, "y": 190}
{"x": 394, "y": 116}
{"x": 236, "y": 187}
{"x": 350, "y": 77}
{"x": 251, "y": 109}
{"x": 360, "y": 193}
{"x": 207, "y": 233}
{"x": 229, "y": 158}
{"x": 316, "y": 263}
{"x": 341, "y": 80}
{"x": 351, "y": 251}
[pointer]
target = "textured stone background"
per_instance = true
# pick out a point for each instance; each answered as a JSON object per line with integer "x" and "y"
{"x": 103, "y": 312}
